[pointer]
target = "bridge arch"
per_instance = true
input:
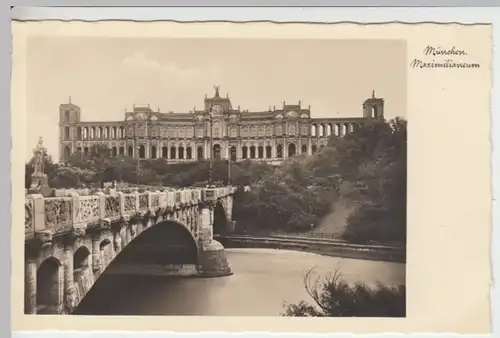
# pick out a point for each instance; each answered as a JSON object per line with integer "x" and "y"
{"x": 165, "y": 244}
{"x": 81, "y": 266}
{"x": 220, "y": 219}
{"x": 49, "y": 286}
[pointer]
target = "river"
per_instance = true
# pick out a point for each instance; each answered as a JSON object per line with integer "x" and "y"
{"x": 263, "y": 280}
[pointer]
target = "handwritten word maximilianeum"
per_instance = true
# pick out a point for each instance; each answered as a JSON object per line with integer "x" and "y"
{"x": 446, "y": 63}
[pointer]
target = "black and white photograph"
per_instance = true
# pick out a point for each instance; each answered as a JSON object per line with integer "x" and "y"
{"x": 215, "y": 177}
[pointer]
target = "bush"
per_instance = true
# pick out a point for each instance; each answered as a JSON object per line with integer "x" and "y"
{"x": 336, "y": 298}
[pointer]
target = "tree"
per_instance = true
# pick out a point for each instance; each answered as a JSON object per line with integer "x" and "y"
{"x": 380, "y": 188}
{"x": 333, "y": 297}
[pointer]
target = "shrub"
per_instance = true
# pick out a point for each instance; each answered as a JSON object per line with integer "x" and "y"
{"x": 335, "y": 298}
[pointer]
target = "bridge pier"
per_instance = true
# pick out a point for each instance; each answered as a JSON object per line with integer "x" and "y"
{"x": 212, "y": 261}
{"x": 69, "y": 281}
{"x": 30, "y": 287}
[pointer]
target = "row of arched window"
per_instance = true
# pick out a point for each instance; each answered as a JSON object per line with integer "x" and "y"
{"x": 327, "y": 129}
{"x": 181, "y": 153}
{"x": 92, "y": 133}
{"x": 321, "y": 129}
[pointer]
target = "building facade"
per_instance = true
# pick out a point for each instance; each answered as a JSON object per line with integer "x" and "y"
{"x": 235, "y": 134}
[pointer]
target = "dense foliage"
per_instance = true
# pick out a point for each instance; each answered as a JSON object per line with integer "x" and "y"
{"x": 366, "y": 168}
{"x": 333, "y": 297}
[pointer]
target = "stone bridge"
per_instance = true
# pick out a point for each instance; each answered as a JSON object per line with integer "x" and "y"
{"x": 71, "y": 241}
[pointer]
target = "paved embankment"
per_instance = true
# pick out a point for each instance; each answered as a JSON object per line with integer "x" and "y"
{"x": 328, "y": 247}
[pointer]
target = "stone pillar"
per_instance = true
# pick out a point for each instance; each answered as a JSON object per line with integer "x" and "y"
{"x": 212, "y": 258}
{"x": 69, "y": 283}
{"x": 30, "y": 287}
{"x": 117, "y": 242}
{"x": 96, "y": 254}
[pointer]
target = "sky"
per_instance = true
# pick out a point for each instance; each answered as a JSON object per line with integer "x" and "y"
{"x": 106, "y": 76}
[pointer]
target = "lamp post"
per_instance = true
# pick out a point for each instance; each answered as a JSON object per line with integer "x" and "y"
{"x": 211, "y": 161}
{"x": 138, "y": 164}
{"x": 229, "y": 159}
{"x": 121, "y": 169}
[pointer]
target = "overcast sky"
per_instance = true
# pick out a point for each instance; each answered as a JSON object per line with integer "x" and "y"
{"x": 105, "y": 76}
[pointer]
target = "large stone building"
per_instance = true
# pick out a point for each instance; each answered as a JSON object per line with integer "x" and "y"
{"x": 271, "y": 135}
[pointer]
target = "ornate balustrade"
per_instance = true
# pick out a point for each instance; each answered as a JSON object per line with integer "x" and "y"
{"x": 109, "y": 190}
{"x": 57, "y": 215}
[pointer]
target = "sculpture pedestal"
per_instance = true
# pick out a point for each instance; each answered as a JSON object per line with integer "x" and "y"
{"x": 213, "y": 261}
{"x": 40, "y": 185}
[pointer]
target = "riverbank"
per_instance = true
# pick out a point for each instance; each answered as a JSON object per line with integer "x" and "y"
{"x": 325, "y": 247}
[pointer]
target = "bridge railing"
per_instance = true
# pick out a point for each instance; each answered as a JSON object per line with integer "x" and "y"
{"x": 63, "y": 214}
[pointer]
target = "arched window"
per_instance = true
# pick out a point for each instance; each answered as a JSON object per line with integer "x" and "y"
{"x": 233, "y": 153}
{"x": 217, "y": 152}
{"x": 199, "y": 153}
{"x": 67, "y": 152}
{"x": 291, "y": 150}
{"x": 66, "y": 133}
{"x": 268, "y": 152}
{"x": 279, "y": 151}
{"x": 252, "y": 152}
{"x": 142, "y": 151}
{"x": 260, "y": 151}
{"x": 244, "y": 152}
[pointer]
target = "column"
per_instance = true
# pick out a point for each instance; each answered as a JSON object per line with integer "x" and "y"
{"x": 96, "y": 254}
{"x": 117, "y": 242}
{"x": 69, "y": 283}
{"x": 148, "y": 149}
{"x": 30, "y": 287}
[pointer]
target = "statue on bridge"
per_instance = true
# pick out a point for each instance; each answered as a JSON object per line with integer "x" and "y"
{"x": 39, "y": 180}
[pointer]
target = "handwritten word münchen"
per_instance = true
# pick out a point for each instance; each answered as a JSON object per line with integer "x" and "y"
{"x": 438, "y": 51}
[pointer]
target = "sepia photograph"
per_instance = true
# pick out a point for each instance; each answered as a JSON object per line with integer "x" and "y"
{"x": 220, "y": 177}
{"x": 214, "y": 177}
{"x": 251, "y": 176}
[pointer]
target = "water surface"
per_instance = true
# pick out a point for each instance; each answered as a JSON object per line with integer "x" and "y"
{"x": 263, "y": 280}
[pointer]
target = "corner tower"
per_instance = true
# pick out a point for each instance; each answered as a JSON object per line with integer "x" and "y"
{"x": 69, "y": 117}
{"x": 373, "y": 107}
